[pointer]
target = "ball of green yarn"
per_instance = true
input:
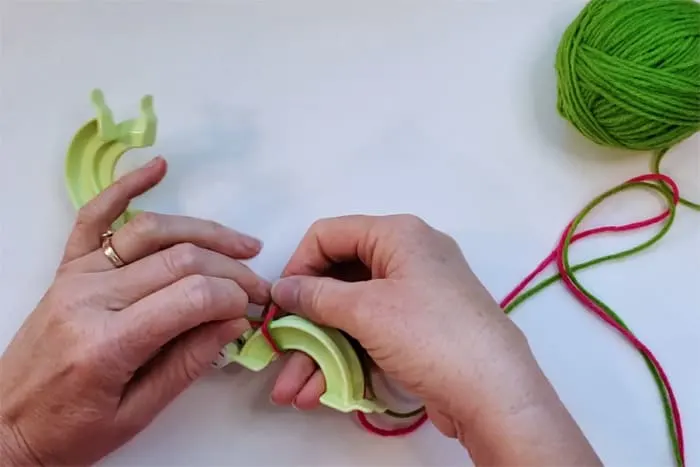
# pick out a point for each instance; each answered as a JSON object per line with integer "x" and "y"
{"x": 629, "y": 72}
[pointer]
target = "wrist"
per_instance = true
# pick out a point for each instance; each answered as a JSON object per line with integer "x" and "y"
{"x": 523, "y": 422}
{"x": 497, "y": 429}
{"x": 14, "y": 451}
{"x": 501, "y": 377}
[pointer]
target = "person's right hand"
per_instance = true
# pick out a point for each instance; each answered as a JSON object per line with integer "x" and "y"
{"x": 427, "y": 321}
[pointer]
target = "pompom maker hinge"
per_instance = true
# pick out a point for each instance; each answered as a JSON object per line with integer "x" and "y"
{"x": 95, "y": 149}
{"x": 335, "y": 356}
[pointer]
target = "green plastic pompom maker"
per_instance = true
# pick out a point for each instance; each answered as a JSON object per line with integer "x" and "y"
{"x": 97, "y": 147}
{"x": 90, "y": 164}
{"x": 335, "y": 356}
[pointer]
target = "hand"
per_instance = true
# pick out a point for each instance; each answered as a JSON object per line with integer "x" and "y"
{"x": 108, "y": 348}
{"x": 423, "y": 311}
{"x": 428, "y": 322}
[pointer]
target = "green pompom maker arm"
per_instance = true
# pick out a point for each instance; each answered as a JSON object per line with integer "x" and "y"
{"x": 95, "y": 149}
{"x": 335, "y": 356}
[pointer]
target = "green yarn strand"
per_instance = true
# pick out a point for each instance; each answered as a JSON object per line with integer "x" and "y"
{"x": 614, "y": 256}
{"x": 628, "y": 76}
{"x": 668, "y": 415}
{"x": 656, "y": 167}
{"x": 603, "y": 259}
{"x": 570, "y": 270}
{"x": 656, "y": 95}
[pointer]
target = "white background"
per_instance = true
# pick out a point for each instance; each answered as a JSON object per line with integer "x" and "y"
{"x": 273, "y": 114}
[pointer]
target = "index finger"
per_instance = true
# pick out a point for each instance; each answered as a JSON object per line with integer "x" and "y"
{"x": 100, "y": 213}
{"x": 157, "y": 319}
{"x": 334, "y": 240}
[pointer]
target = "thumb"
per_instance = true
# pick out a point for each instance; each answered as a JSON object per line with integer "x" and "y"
{"x": 174, "y": 369}
{"x": 326, "y": 301}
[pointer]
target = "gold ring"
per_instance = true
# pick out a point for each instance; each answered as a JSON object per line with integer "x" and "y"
{"x": 109, "y": 250}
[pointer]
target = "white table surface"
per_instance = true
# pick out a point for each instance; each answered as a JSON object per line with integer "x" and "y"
{"x": 273, "y": 114}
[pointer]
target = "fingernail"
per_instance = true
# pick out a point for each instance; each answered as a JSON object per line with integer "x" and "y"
{"x": 272, "y": 401}
{"x": 264, "y": 289}
{"x": 252, "y": 243}
{"x": 152, "y": 162}
{"x": 285, "y": 293}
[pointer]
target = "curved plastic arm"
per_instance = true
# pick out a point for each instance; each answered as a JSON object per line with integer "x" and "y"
{"x": 95, "y": 149}
{"x": 345, "y": 381}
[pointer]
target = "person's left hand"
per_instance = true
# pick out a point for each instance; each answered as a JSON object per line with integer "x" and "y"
{"x": 107, "y": 348}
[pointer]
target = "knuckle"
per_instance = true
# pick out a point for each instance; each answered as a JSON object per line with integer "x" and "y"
{"x": 86, "y": 215}
{"x": 410, "y": 227}
{"x": 216, "y": 228}
{"x": 145, "y": 224}
{"x": 133, "y": 424}
{"x": 65, "y": 297}
{"x": 198, "y": 291}
{"x": 82, "y": 362}
{"x": 316, "y": 298}
{"x": 312, "y": 297}
{"x": 183, "y": 259}
{"x": 448, "y": 239}
{"x": 118, "y": 186}
{"x": 112, "y": 351}
{"x": 64, "y": 270}
{"x": 238, "y": 299}
{"x": 191, "y": 365}
{"x": 319, "y": 224}
{"x": 87, "y": 353}
{"x": 410, "y": 223}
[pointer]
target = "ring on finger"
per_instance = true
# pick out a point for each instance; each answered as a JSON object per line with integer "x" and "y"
{"x": 109, "y": 250}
